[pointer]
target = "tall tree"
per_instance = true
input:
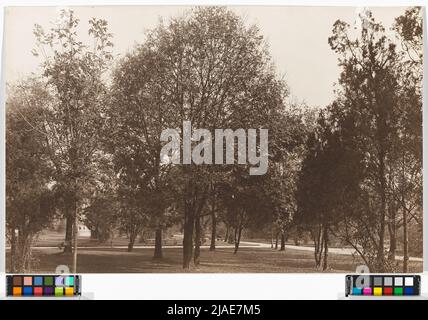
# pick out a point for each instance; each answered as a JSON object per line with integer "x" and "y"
{"x": 30, "y": 199}
{"x": 138, "y": 113}
{"x": 406, "y": 173}
{"x": 73, "y": 72}
{"x": 215, "y": 72}
{"x": 368, "y": 92}
{"x": 296, "y": 123}
{"x": 328, "y": 180}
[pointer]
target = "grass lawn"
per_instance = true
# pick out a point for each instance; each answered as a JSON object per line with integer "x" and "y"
{"x": 221, "y": 260}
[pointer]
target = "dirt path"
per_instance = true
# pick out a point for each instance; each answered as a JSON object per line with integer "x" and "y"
{"x": 344, "y": 251}
{"x": 244, "y": 244}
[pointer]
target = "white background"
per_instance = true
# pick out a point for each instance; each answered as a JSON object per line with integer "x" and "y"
{"x": 204, "y": 286}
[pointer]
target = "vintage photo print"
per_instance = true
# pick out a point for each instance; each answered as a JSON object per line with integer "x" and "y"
{"x": 217, "y": 139}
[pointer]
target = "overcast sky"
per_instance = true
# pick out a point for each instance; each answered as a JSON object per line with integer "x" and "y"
{"x": 297, "y": 37}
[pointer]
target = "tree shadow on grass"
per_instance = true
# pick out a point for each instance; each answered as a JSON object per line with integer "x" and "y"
{"x": 247, "y": 260}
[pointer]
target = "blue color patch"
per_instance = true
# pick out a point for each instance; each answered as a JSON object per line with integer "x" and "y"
{"x": 357, "y": 291}
{"x": 38, "y": 281}
{"x": 28, "y": 291}
{"x": 408, "y": 291}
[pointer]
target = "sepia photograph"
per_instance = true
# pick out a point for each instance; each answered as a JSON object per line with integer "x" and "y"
{"x": 213, "y": 139}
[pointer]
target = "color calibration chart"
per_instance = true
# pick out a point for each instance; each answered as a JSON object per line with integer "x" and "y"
{"x": 383, "y": 285}
{"x": 43, "y": 285}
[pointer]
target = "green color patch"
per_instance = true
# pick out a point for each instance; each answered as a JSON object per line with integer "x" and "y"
{"x": 59, "y": 291}
{"x": 48, "y": 281}
{"x": 398, "y": 291}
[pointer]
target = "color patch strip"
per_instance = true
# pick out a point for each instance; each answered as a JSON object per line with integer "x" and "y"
{"x": 43, "y": 285}
{"x": 383, "y": 285}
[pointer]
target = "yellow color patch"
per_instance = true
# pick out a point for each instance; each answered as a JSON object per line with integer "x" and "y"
{"x": 68, "y": 291}
{"x": 377, "y": 291}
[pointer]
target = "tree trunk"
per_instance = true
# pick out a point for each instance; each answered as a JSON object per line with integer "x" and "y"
{"x": 12, "y": 250}
{"x": 23, "y": 256}
{"x": 193, "y": 206}
{"x": 213, "y": 231}
{"x": 226, "y": 237}
{"x": 405, "y": 242}
{"x": 158, "y": 244}
{"x": 276, "y": 240}
{"x": 28, "y": 252}
{"x": 197, "y": 251}
{"x": 189, "y": 221}
{"x": 325, "y": 262}
{"x": 282, "y": 242}
{"x": 132, "y": 238}
{"x": 68, "y": 232}
{"x": 271, "y": 237}
{"x": 75, "y": 235}
{"x": 392, "y": 230}
{"x": 382, "y": 223}
{"x": 95, "y": 234}
{"x": 20, "y": 255}
{"x": 317, "y": 236}
{"x": 237, "y": 239}
{"x": 232, "y": 236}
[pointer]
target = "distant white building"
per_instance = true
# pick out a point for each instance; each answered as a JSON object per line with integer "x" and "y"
{"x": 83, "y": 231}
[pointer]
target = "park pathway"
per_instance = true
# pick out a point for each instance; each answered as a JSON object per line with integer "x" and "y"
{"x": 243, "y": 244}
